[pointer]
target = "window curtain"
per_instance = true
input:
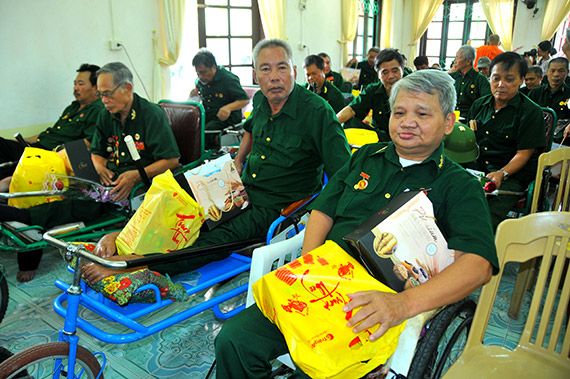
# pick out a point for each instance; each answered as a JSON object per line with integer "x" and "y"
{"x": 499, "y": 15}
{"x": 422, "y": 12}
{"x": 555, "y": 13}
{"x": 167, "y": 43}
{"x": 272, "y": 18}
{"x": 386, "y": 24}
{"x": 349, "y": 24}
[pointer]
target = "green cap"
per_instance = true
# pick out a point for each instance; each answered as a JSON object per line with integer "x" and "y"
{"x": 461, "y": 145}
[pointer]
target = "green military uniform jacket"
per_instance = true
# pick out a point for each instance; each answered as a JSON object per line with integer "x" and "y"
{"x": 469, "y": 88}
{"x": 335, "y": 78}
{"x": 331, "y": 94}
{"x": 225, "y": 88}
{"x": 368, "y": 74}
{"x": 149, "y": 127}
{"x": 518, "y": 126}
{"x": 460, "y": 208}
{"x": 73, "y": 124}
{"x": 374, "y": 97}
{"x": 290, "y": 148}
{"x": 406, "y": 71}
{"x": 558, "y": 100}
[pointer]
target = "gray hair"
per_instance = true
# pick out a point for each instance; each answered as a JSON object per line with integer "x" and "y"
{"x": 467, "y": 52}
{"x": 430, "y": 82}
{"x": 267, "y": 43}
{"x": 121, "y": 73}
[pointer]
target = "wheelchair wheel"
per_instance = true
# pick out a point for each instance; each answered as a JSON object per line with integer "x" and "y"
{"x": 443, "y": 341}
{"x": 39, "y": 361}
{"x": 3, "y": 294}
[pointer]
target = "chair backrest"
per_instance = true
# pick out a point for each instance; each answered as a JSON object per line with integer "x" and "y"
{"x": 550, "y": 120}
{"x": 545, "y": 235}
{"x": 187, "y": 120}
{"x": 267, "y": 258}
{"x": 552, "y": 182}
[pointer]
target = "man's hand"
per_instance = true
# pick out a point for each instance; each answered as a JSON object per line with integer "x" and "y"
{"x": 385, "y": 309}
{"x": 194, "y": 92}
{"x": 106, "y": 246}
{"x": 105, "y": 174}
{"x": 223, "y": 113}
{"x": 567, "y": 131}
{"x": 473, "y": 125}
{"x": 497, "y": 177}
{"x": 124, "y": 184}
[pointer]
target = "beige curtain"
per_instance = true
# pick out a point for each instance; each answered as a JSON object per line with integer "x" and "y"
{"x": 272, "y": 18}
{"x": 349, "y": 24}
{"x": 555, "y": 13}
{"x": 386, "y": 24}
{"x": 499, "y": 15}
{"x": 167, "y": 43}
{"x": 422, "y": 12}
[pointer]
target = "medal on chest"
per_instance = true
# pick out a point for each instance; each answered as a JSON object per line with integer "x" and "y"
{"x": 363, "y": 182}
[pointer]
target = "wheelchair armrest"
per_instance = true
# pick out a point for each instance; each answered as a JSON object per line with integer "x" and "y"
{"x": 14, "y": 195}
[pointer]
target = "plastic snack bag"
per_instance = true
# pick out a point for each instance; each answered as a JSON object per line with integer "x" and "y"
{"x": 305, "y": 299}
{"x": 168, "y": 219}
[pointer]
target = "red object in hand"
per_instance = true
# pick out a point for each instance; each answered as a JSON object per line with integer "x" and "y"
{"x": 490, "y": 186}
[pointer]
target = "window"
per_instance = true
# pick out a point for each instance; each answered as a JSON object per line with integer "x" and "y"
{"x": 455, "y": 23}
{"x": 230, "y": 29}
{"x": 367, "y": 26}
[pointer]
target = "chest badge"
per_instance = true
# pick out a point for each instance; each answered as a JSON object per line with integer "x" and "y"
{"x": 133, "y": 114}
{"x": 363, "y": 182}
{"x": 137, "y": 136}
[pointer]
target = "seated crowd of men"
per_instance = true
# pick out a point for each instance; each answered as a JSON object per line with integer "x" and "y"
{"x": 294, "y": 135}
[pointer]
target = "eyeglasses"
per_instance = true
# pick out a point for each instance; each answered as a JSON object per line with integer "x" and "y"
{"x": 108, "y": 94}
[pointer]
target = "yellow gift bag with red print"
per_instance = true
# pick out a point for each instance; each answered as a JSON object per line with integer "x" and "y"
{"x": 305, "y": 299}
{"x": 37, "y": 170}
{"x": 168, "y": 219}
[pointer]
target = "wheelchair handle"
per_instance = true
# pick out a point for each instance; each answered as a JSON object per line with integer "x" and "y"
{"x": 79, "y": 250}
{"x": 13, "y": 195}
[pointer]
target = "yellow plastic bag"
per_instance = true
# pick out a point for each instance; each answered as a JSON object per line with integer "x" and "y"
{"x": 37, "y": 171}
{"x": 360, "y": 137}
{"x": 305, "y": 299}
{"x": 168, "y": 219}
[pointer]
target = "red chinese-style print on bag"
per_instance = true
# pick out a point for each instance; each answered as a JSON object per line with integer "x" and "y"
{"x": 325, "y": 294}
{"x": 345, "y": 271}
{"x": 180, "y": 229}
{"x": 285, "y": 275}
{"x": 296, "y": 306}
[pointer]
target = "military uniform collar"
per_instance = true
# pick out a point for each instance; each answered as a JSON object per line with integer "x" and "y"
{"x": 563, "y": 89}
{"x": 436, "y": 159}
{"x": 217, "y": 75}
{"x": 290, "y": 106}
{"x": 514, "y": 102}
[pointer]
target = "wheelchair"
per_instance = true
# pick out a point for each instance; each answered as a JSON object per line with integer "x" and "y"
{"x": 430, "y": 343}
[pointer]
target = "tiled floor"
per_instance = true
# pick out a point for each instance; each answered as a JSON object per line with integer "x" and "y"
{"x": 181, "y": 351}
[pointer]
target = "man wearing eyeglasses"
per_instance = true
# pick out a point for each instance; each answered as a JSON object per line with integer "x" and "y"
{"x": 76, "y": 122}
{"x": 129, "y": 114}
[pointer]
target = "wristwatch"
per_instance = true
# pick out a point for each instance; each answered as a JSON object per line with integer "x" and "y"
{"x": 505, "y": 173}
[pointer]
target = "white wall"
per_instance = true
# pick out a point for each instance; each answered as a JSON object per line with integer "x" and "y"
{"x": 317, "y": 28}
{"x": 44, "y": 42}
{"x": 528, "y": 25}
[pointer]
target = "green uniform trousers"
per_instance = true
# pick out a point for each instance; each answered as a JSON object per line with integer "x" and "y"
{"x": 239, "y": 357}
{"x": 252, "y": 223}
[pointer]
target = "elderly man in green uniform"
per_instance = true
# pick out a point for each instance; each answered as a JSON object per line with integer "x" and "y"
{"x": 290, "y": 139}
{"x": 316, "y": 82}
{"x": 422, "y": 114}
{"x": 221, "y": 94}
{"x": 367, "y": 68}
{"x": 510, "y": 132}
{"x": 556, "y": 93}
{"x": 330, "y": 75}
{"x": 76, "y": 122}
{"x": 389, "y": 64}
{"x": 129, "y": 114}
{"x": 469, "y": 84}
